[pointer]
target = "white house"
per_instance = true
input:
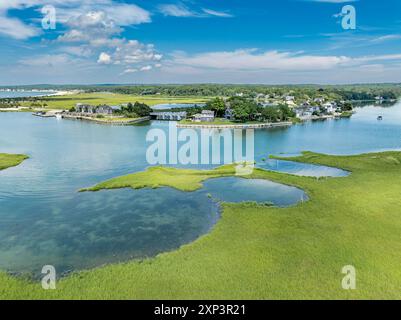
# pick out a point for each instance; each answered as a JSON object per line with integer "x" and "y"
{"x": 289, "y": 98}
{"x": 302, "y": 113}
{"x": 330, "y": 107}
{"x": 89, "y": 109}
{"x": 313, "y": 109}
{"x": 319, "y": 100}
{"x": 205, "y": 116}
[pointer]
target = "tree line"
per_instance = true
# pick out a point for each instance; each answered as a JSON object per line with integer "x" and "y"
{"x": 244, "y": 110}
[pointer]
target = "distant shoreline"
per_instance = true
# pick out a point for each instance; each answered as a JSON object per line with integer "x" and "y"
{"x": 36, "y": 93}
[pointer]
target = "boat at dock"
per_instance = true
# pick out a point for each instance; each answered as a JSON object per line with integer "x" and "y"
{"x": 43, "y": 114}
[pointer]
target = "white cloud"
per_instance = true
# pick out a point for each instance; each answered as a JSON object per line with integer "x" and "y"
{"x": 104, "y": 58}
{"x": 46, "y": 60}
{"x": 16, "y": 29}
{"x": 217, "y": 13}
{"x": 388, "y": 37}
{"x": 132, "y": 52}
{"x": 90, "y": 25}
{"x": 146, "y": 68}
{"x": 274, "y": 67}
{"x": 96, "y": 31}
{"x": 251, "y": 59}
{"x": 176, "y": 10}
{"x": 69, "y": 11}
{"x": 132, "y": 70}
{"x": 122, "y": 14}
{"x": 127, "y": 14}
{"x": 80, "y": 51}
{"x": 180, "y": 10}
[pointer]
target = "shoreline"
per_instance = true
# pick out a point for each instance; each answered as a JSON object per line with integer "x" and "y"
{"x": 43, "y": 93}
{"x": 105, "y": 121}
{"x": 236, "y": 126}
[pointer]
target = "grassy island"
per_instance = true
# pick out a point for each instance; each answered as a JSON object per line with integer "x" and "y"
{"x": 11, "y": 160}
{"x": 154, "y": 177}
{"x": 264, "y": 252}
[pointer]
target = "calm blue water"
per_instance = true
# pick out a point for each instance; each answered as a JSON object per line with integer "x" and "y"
{"x": 22, "y": 94}
{"x": 43, "y": 220}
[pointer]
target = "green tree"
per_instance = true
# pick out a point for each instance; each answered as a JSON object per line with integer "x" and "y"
{"x": 243, "y": 109}
{"x": 271, "y": 114}
{"x": 285, "y": 112}
{"x": 346, "y": 107}
{"x": 142, "y": 109}
{"x": 218, "y": 106}
{"x": 138, "y": 109}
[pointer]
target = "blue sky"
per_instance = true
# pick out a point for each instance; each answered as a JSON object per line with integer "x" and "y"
{"x": 190, "y": 41}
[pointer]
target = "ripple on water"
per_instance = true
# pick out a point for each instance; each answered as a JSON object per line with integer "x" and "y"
{"x": 301, "y": 169}
{"x": 85, "y": 230}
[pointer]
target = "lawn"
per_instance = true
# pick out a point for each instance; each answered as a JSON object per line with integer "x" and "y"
{"x": 265, "y": 252}
{"x": 68, "y": 101}
{"x": 10, "y": 160}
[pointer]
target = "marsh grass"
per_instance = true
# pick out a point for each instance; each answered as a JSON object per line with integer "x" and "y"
{"x": 11, "y": 160}
{"x": 97, "y": 98}
{"x": 257, "y": 252}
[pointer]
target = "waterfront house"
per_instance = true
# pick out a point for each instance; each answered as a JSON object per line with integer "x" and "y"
{"x": 305, "y": 104}
{"x": 169, "y": 115}
{"x": 89, "y": 109}
{"x": 319, "y": 100}
{"x": 205, "y": 116}
{"x": 261, "y": 98}
{"x": 229, "y": 113}
{"x": 302, "y": 113}
{"x": 313, "y": 109}
{"x": 84, "y": 108}
{"x": 291, "y": 103}
{"x": 116, "y": 108}
{"x": 330, "y": 107}
{"x": 104, "y": 109}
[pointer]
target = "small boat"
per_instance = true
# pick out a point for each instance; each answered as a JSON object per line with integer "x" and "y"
{"x": 59, "y": 116}
{"x": 379, "y": 118}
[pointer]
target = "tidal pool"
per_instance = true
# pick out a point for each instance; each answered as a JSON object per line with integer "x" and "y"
{"x": 90, "y": 229}
{"x": 86, "y": 230}
{"x": 235, "y": 189}
{"x": 301, "y": 169}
